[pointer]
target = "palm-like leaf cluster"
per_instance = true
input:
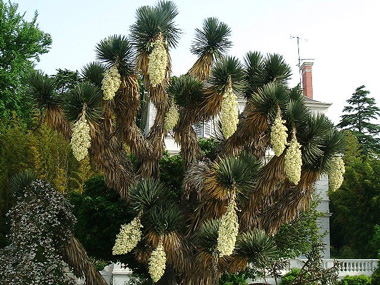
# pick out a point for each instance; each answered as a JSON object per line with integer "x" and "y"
{"x": 261, "y": 70}
{"x": 118, "y": 50}
{"x": 231, "y": 174}
{"x": 212, "y": 39}
{"x": 84, "y": 94}
{"x": 42, "y": 88}
{"x": 150, "y": 21}
{"x": 93, "y": 72}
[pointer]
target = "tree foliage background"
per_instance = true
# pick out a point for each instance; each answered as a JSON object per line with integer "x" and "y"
{"x": 360, "y": 117}
{"x": 356, "y": 205}
{"x": 21, "y": 44}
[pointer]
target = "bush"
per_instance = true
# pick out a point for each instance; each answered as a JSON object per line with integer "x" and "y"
{"x": 40, "y": 225}
{"x": 239, "y": 278}
{"x": 290, "y": 276}
{"x": 356, "y": 280}
{"x": 376, "y": 276}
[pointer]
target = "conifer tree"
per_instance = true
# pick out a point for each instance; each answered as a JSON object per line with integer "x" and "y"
{"x": 359, "y": 118}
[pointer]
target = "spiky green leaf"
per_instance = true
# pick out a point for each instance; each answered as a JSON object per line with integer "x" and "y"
{"x": 226, "y": 69}
{"x": 186, "y": 90}
{"x": 118, "y": 50}
{"x": 150, "y": 21}
{"x": 42, "y": 88}
{"x": 93, "y": 72}
{"x": 213, "y": 38}
{"x": 84, "y": 93}
{"x": 146, "y": 194}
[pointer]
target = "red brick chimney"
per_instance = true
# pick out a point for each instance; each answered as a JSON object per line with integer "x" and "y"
{"x": 307, "y": 80}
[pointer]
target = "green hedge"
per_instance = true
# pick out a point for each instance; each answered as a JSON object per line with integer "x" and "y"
{"x": 356, "y": 280}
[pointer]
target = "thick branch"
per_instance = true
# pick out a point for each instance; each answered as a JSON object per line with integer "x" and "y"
{"x": 75, "y": 256}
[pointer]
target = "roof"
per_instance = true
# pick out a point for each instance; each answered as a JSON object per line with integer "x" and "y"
{"x": 316, "y": 105}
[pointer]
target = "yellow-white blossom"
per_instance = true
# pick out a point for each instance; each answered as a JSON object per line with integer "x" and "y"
{"x": 129, "y": 236}
{"x": 229, "y": 114}
{"x": 158, "y": 60}
{"x": 336, "y": 173}
{"x": 81, "y": 139}
{"x": 171, "y": 118}
{"x": 278, "y": 135}
{"x": 110, "y": 83}
{"x": 293, "y": 161}
{"x": 228, "y": 230}
{"x": 157, "y": 262}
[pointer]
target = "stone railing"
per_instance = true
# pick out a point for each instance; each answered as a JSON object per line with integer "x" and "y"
{"x": 119, "y": 274}
{"x": 346, "y": 266}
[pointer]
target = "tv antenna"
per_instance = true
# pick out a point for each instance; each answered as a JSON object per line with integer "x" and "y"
{"x": 299, "y": 55}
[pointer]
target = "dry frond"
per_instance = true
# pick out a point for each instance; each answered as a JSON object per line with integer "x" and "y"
{"x": 55, "y": 119}
{"x": 202, "y": 67}
{"x": 75, "y": 255}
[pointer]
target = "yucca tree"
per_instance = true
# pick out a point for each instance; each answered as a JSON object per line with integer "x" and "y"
{"x": 229, "y": 206}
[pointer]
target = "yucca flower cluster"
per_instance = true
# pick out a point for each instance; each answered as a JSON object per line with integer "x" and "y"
{"x": 129, "y": 236}
{"x": 336, "y": 173}
{"x": 81, "y": 139}
{"x": 278, "y": 135}
{"x": 111, "y": 83}
{"x": 229, "y": 113}
{"x": 293, "y": 161}
{"x": 171, "y": 118}
{"x": 158, "y": 60}
{"x": 228, "y": 230}
{"x": 157, "y": 262}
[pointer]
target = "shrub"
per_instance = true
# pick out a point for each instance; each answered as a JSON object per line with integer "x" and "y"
{"x": 356, "y": 280}
{"x": 40, "y": 226}
{"x": 376, "y": 276}
{"x": 289, "y": 277}
{"x": 239, "y": 278}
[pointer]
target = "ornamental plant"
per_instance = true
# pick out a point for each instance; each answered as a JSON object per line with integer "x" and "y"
{"x": 229, "y": 113}
{"x": 157, "y": 262}
{"x": 171, "y": 118}
{"x": 81, "y": 139}
{"x": 42, "y": 246}
{"x": 228, "y": 230}
{"x": 336, "y": 173}
{"x": 278, "y": 135}
{"x": 193, "y": 214}
{"x": 158, "y": 61}
{"x": 110, "y": 83}
{"x": 128, "y": 238}
{"x": 293, "y": 161}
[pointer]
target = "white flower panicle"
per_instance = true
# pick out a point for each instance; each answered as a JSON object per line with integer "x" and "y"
{"x": 111, "y": 83}
{"x": 81, "y": 139}
{"x": 278, "y": 135}
{"x": 171, "y": 118}
{"x": 157, "y": 262}
{"x": 158, "y": 60}
{"x": 228, "y": 230}
{"x": 293, "y": 161}
{"x": 336, "y": 173}
{"x": 129, "y": 236}
{"x": 229, "y": 114}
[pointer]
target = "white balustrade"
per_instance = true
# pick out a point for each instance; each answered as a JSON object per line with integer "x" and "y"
{"x": 119, "y": 274}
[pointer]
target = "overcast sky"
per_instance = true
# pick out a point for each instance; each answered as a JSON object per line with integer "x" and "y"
{"x": 340, "y": 35}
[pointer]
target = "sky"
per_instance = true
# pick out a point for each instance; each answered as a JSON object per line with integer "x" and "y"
{"x": 339, "y": 35}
